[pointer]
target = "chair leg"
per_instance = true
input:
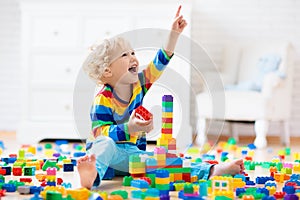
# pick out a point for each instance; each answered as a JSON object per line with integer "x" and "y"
{"x": 261, "y": 129}
{"x": 285, "y": 138}
{"x": 201, "y": 132}
{"x": 233, "y": 132}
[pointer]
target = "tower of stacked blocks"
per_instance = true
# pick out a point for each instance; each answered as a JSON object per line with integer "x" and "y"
{"x": 166, "y": 140}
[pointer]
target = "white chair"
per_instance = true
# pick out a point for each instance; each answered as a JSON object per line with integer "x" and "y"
{"x": 272, "y": 103}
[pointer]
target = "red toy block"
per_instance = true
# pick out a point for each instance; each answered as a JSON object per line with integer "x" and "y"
{"x": 143, "y": 113}
{"x": 26, "y": 180}
{"x": 212, "y": 162}
{"x": 186, "y": 177}
{"x": 279, "y": 195}
{"x": 146, "y": 179}
{"x": 2, "y": 193}
{"x": 17, "y": 171}
{"x": 3, "y": 172}
{"x": 59, "y": 181}
{"x": 13, "y": 155}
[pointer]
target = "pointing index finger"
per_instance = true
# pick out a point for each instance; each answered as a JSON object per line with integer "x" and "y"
{"x": 178, "y": 11}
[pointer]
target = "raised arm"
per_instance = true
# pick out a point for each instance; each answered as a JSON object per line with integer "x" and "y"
{"x": 178, "y": 26}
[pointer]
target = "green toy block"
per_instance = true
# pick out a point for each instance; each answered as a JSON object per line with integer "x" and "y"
{"x": 231, "y": 141}
{"x": 54, "y": 195}
{"x": 167, "y": 104}
{"x": 162, "y": 186}
{"x": 21, "y": 154}
{"x": 188, "y": 189}
{"x": 222, "y": 198}
{"x": 198, "y": 160}
{"x": 29, "y": 171}
{"x": 224, "y": 158}
{"x": 122, "y": 193}
{"x": 50, "y": 163}
{"x": 279, "y": 166}
{"x": 2, "y": 178}
{"x": 48, "y": 146}
{"x": 152, "y": 177}
{"x": 177, "y": 170}
{"x": 287, "y": 151}
{"x": 127, "y": 180}
{"x": 134, "y": 158}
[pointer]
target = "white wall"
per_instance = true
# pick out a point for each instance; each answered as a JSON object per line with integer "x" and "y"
{"x": 213, "y": 22}
{"x": 217, "y": 21}
{"x": 10, "y": 102}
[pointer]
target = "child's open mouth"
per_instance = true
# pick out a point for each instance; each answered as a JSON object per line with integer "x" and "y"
{"x": 133, "y": 69}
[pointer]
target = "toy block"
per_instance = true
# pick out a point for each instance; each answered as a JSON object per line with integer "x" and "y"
{"x": 140, "y": 184}
{"x": 2, "y": 179}
{"x": 50, "y": 163}
{"x": 162, "y": 180}
{"x": 7, "y": 170}
{"x": 81, "y": 193}
{"x": 8, "y": 187}
{"x": 68, "y": 167}
{"x": 2, "y": 171}
{"x": 2, "y": 193}
{"x": 29, "y": 171}
{"x": 51, "y": 171}
{"x": 167, "y": 98}
{"x": 24, "y": 189}
{"x": 167, "y": 114}
{"x": 177, "y": 176}
{"x": 167, "y": 120}
{"x": 167, "y": 131}
{"x": 122, "y": 193}
{"x": 166, "y": 136}
{"x": 40, "y": 177}
{"x": 159, "y": 150}
{"x": 50, "y": 178}
{"x": 26, "y": 180}
{"x": 143, "y": 113}
{"x": 186, "y": 177}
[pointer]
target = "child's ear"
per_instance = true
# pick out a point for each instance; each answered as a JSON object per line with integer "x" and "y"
{"x": 107, "y": 72}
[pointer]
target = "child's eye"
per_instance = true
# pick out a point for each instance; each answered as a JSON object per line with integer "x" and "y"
{"x": 133, "y": 53}
{"x": 124, "y": 54}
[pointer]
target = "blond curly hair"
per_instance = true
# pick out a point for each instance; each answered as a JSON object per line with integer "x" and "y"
{"x": 102, "y": 55}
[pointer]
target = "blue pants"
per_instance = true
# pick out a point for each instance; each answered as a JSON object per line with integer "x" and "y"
{"x": 116, "y": 156}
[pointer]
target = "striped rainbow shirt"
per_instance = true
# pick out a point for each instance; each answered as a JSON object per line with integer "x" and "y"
{"x": 110, "y": 114}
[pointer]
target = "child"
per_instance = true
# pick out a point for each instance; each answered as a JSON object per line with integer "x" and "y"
{"x": 114, "y": 126}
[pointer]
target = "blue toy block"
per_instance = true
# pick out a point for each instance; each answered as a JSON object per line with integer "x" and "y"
{"x": 250, "y": 183}
{"x": 141, "y": 184}
{"x": 263, "y": 191}
{"x": 152, "y": 192}
{"x": 137, "y": 194}
{"x": 162, "y": 173}
{"x": 109, "y": 174}
{"x": 203, "y": 187}
{"x": 268, "y": 198}
{"x": 164, "y": 192}
{"x": 244, "y": 152}
{"x": 239, "y": 191}
{"x": 240, "y": 176}
{"x": 2, "y": 145}
{"x": 173, "y": 161}
{"x": 68, "y": 167}
{"x": 288, "y": 189}
{"x": 36, "y": 189}
{"x": 36, "y": 197}
{"x": 181, "y": 195}
{"x": 208, "y": 157}
{"x": 51, "y": 183}
{"x": 9, "y": 187}
{"x": 224, "y": 153}
{"x": 95, "y": 196}
{"x": 78, "y": 154}
{"x": 251, "y": 146}
{"x": 270, "y": 183}
{"x": 167, "y": 109}
{"x": 172, "y": 187}
{"x": 151, "y": 162}
{"x": 66, "y": 185}
{"x": 164, "y": 197}
{"x": 295, "y": 177}
{"x": 263, "y": 179}
{"x": 74, "y": 161}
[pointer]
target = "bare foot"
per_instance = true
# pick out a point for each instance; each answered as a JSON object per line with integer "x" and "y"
{"x": 87, "y": 170}
{"x": 233, "y": 167}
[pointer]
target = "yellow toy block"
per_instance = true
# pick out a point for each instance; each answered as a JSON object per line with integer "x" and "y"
{"x": 79, "y": 194}
{"x": 137, "y": 170}
{"x": 162, "y": 141}
{"x": 171, "y": 177}
{"x": 194, "y": 178}
{"x": 32, "y": 150}
{"x": 59, "y": 189}
{"x": 167, "y": 114}
{"x": 166, "y": 136}
{"x": 229, "y": 194}
{"x": 152, "y": 198}
{"x": 162, "y": 180}
{"x": 272, "y": 190}
{"x": 51, "y": 178}
{"x": 296, "y": 168}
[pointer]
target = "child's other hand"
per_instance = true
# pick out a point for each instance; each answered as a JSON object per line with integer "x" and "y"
{"x": 136, "y": 125}
{"x": 179, "y": 22}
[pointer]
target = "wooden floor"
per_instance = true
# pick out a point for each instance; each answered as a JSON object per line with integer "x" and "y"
{"x": 9, "y": 139}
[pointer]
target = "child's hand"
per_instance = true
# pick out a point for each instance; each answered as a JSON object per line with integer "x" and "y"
{"x": 136, "y": 125}
{"x": 179, "y": 22}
